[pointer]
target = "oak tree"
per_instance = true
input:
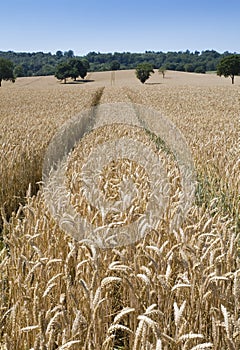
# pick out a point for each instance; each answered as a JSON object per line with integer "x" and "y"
{"x": 143, "y": 71}
{"x": 6, "y": 70}
{"x": 229, "y": 66}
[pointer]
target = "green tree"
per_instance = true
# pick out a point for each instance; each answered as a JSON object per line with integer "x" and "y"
{"x": 59, "y": 54}
{"x": 143, "y": 71}
{"x": 85, "y": 63}
{"x": 115, "y": 65}
{"x": 162, "y": 70}
{"x": 200, "y": 69}
{"x": 229, "y": 66}
{"x": 72, "y": 68}
{"x": 18, "y": 71}
{"x": 6, "y": 70}
{"x": 69, "y": 53}
{"x": 47, "y": 69}
{"x": 189, "y": 67}
{"x": 63, "y": 71}
{"x": 78, "y": 68}
{"x": 75, "y": 67}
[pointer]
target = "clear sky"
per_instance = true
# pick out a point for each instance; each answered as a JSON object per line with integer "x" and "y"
{"x": 124, "y": 25}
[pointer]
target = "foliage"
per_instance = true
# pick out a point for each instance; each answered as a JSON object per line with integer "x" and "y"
{"x": 85, "y": 63}
{"x": 18, "y": 71}
{"x": 69, "y": 54}
{"x": 6, "y": 70}
{"x": 200, "y": 69}
{"x": 229, "y": 67}
{"x": 72, "y": 68}
{"x": 59, "y": 54}
{"x": 39, "y": 63}
{"x": 63, "y": 71}
{"x": 77, "y": 68}
{"x": 114, "y": 65}
{"x": 143, "y": 71}
{"x": 162, "y": 70}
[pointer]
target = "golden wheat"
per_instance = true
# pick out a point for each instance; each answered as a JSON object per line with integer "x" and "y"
{"x": 174, "y": 289}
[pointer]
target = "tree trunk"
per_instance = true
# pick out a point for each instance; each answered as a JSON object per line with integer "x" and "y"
{"x": 232, "y": 77}
{"x": 0, "y": 82}
{"x": 65, "y": 80}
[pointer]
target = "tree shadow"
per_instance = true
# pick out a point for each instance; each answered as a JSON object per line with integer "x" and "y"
{"x": 80, "y": 81}
{"x": 153, "y": 83}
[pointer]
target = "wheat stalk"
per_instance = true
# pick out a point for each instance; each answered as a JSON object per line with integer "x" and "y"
{"x": 184, "y": 274}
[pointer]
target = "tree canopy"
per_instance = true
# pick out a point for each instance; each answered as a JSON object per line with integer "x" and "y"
{"x": 77, "y": 68}
{"x": 72, "y": 68}
{"x": 63, "y": 71}
{"x": 143, "y": 71}
{"x": 162, "y": 70}
{"x": 114, "y": 65}
{"x": 229, "y": 66}
{"x": 40, "y": 63}
{"x": 6, "y": 70}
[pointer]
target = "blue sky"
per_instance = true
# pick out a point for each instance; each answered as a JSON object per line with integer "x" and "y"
{"x": 125, "y": 25}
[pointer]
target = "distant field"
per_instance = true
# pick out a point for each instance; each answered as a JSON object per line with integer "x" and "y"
{"x": 173, "y": 289}
{"x": 127, "y": 77}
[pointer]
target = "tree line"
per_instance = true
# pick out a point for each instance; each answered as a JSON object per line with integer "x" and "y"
{"x": 40, "y": 63}
{"x": 74, "y": 67}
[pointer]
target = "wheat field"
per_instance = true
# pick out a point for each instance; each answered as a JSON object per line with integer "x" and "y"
{"x": 175, "y": 288}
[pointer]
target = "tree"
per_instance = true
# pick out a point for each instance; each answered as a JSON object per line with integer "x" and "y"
{"x": 72, "y": 68}
{"x": 63, "y": 71}
{"x": 229, "y": 66}
{"x": 6, "y": 70}
{"x": 85, "y": 63}
{"x": 75, "y": 67}
{"x": 18, "y": 71}
{"x": 78, "y": 68}
{"x": 162, "y": 70}
{"x": 69, "y": 53}
{"x": 143, "y": 71}
{"x": 200, "y": 69}
{"x": 37, "y": 63}
{"x": 115, "y": 65}
{"x": 189, "y": 67}
{"x": 84, "y": 68}
{"x": 59, "y": 54}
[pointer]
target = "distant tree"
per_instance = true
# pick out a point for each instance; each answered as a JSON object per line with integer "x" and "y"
{"x": 6, "y": 70}
{"x": 171, "y": 66}
{"x": 18, "y": 71}
{"x": 229, "y": 66}
{"x": 78, "y": 68}
{"x": 211, "y": 65}
{"x": 143, "y": 71}
{"x": 72, "y": 68}
{"x": 47, "y": 69}
{"x": 189, "y": 67}
{"x": 63, "y": 71}
{"x": 115, "y": 65}
{"x": 85, "y": 63}
{"x": 162, "y": 70}
{"x": 200, "y": 69}
{"x": 36, "y": 63}
{"x": 180, "y": 67}
{"x": 69, "y": 53}
{"x": 75, "y": 66}
{"x": 59, "y": 54}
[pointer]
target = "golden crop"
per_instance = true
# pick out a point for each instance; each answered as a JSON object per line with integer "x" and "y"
{"x": 174, "y": 289}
